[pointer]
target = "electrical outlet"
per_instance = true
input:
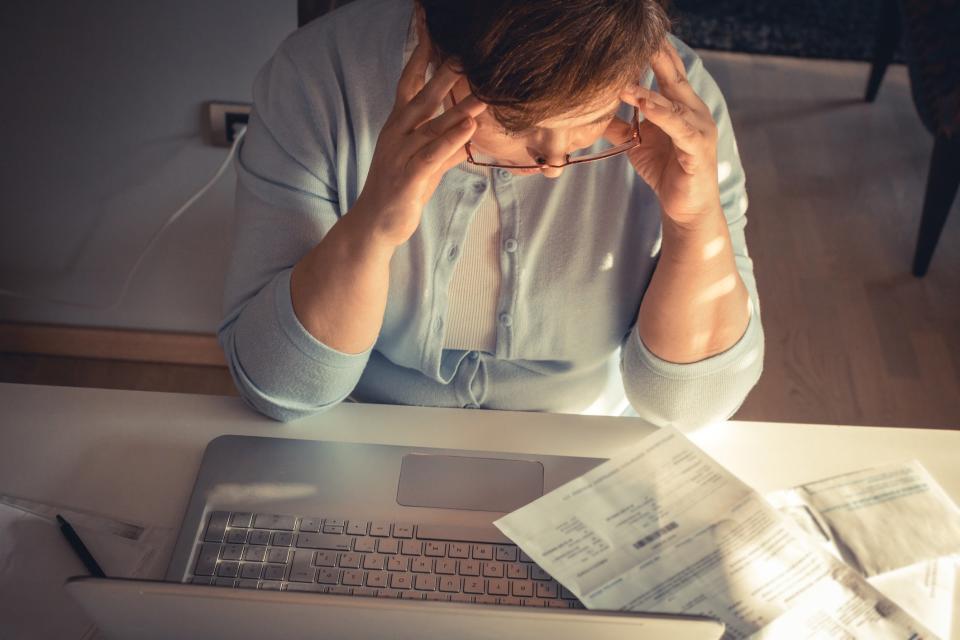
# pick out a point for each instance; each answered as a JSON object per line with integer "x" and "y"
{"x": 221, "y": 118}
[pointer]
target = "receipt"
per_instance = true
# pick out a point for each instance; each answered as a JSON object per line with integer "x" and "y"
{"x": 664, "y": 528}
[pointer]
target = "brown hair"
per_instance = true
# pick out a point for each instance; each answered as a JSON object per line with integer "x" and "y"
{"x": 536, "y": 59}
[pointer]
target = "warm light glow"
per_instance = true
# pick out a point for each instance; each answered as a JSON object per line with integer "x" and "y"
{"x": 723, "y": 171}
{"x": 607, "y": 262}
{"x": 720, "y": 288}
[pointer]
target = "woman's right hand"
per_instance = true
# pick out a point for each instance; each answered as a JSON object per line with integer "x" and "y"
{"x": 414, "y": 150}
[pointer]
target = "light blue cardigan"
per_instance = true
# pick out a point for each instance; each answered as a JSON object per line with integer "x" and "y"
{"x": 578, "y": 253}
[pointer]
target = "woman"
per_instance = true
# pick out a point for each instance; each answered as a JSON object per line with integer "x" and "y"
{"x": 388, "y": 247}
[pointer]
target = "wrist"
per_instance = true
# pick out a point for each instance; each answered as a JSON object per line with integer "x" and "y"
{"x": 697, "y": 242}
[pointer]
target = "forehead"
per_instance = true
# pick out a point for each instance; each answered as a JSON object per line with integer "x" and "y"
{"x": 608, "y": 102}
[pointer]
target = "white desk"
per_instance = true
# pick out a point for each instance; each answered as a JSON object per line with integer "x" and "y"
{"x": 134, "y": 455}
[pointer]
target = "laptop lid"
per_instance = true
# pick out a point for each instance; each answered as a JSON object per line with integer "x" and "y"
{"x": 161, "y": 610}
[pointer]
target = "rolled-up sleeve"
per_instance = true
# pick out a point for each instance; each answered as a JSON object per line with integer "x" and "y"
{"x": 286, "y": 201}
{"x": 691, "y": 395}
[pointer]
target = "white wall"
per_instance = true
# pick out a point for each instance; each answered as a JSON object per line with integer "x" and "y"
{"x": 100, "y": 123}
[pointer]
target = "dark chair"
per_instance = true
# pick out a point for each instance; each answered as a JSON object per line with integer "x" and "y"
{"x": 931, "y": 39}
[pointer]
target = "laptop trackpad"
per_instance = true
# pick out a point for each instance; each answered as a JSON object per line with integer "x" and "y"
{"x": 463, "y": 482}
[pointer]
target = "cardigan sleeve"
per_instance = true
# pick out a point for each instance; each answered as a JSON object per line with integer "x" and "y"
{"x": 691, "y": 395}
{"x": 286, "y": 201}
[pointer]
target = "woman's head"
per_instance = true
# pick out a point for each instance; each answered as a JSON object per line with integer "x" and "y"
{"x": 551, "y": 70}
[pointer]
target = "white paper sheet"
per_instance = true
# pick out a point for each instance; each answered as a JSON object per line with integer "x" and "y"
{"x": 664, "y": 528}
{"x": 36, "y": 560}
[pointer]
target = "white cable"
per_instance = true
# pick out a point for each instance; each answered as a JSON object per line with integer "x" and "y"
{"x": 239, "y": 132}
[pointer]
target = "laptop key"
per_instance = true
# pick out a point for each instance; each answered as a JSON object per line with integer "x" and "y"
{"x": 538, "y": 574}
{"x": 473, "y": 585}
{"x": 558, "y": 604}
{"x": 270, "y": 585}
{"x": 493, "y": 569}
{"x": 510, "y": 601}
{"x": 353, "y": 577}
{"x": 364, "y": 591}
{"x": 216, "y": 526}
{"x": 274, "y": 572}
{"x": 522, "y": 588}
{"x": 323, "y": 541}
{"x": 469, "y": 567}
{"x": 302, "y": 574}
{"x": 327, "y": 575}
{"x": 259, "y": 536}
{"x": 283, "y": 539}
{"x": 378, "y": 579}
{"x": 251, "y": 570}
{"x": 389, "y": 593}
{"x": 412, "y": 595}
{"x": 421, "y": 565}
{"x": 388, "y": 545}
{"x": 425, "y": 583}
{"x": 257, "y": 554}
{"x": 446, "y": 566}
{"x": 380, "y": 529}
{"x": 207, "y": 559}
{"x": 356, "y": 528}
{"x": 483, "y": 552}
{"x": 461, "y": 597}
{"x": 241, "y": 519}
{"x": 331, "y": 528}
{"x": 341, "y": 590}
{"x": 566, "y": 594}
{"x": 438, "y": 595}
{"x": 435, "y": 549}
{"x": 402, "y": 530}
{"x": 486, "y": 599}
{"x": 517, "y": 571}
{"x": 547, "y": 589}
{"x": 374, "y": 561}
{"x": 498, "y": 587}
{"x": 397, "y": 563}
{"x": 310, "y": 525}
{"x": 459, "y": 550}
{"x": 224, "y": 582}
{"x": 365, "y": 545}
{"x": 231, "y": 552}
{"x": 534, "y": 602}
{"x": 273, "y": 521}
{"x": 326, "y": 559}
{"x": 277, "y": 555}
{"x": 401, "y": 580}
{"x": 505, "y": 553}
{"x": 524, "y": 557}
{"x": 236, "y": 536}
{"x": 451, "y": 584}
{"x": 247, "y": 584}
{"x": 228, "y": 569}
{"x": 350, "y": 560}
{"x": 411, "y": 548}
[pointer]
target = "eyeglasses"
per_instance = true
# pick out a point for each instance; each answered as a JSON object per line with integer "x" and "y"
{"x": 634, "y": 141}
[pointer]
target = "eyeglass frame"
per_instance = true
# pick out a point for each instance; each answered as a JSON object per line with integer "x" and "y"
{"x": 634, "y": 142}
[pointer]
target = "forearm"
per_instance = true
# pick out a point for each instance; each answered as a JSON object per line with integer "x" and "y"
{"x": 696, "y": 305}
{"x": 339, "y": 289}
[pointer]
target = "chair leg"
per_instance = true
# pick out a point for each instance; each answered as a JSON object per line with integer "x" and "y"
{"x": 888, "y": 37}
{"x": 942, "y": 182}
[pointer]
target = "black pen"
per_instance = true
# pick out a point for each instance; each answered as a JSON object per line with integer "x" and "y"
{"x": 80, "y": 548}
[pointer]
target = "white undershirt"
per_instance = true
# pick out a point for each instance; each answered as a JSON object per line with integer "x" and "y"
{"x": 475, "y": 285}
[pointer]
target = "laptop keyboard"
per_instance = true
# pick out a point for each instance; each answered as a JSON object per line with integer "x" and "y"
{"x": 374, "y": 559}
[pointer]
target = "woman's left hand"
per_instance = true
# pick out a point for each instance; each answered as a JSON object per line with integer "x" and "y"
{"x": 677, "y": 155}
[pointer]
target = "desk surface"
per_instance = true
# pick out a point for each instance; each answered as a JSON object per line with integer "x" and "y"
{"x": 134, "y": 455}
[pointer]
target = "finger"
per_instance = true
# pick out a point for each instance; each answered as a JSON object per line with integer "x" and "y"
{"x": 428, "y": 100}
{"x": 636, "y": 94}
{"x": 678, "y": 123}
{"x": 469, "y": 106}
{"x": 436, "y": 154}
{"x": 672, "y": 80}
{"x": 414, "y": 74}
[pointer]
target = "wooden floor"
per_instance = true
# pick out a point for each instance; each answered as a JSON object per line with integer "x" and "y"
{"x": 836, "y": 187}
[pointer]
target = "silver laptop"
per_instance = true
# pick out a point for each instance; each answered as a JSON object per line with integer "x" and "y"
{"x": 361, "y": 541}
